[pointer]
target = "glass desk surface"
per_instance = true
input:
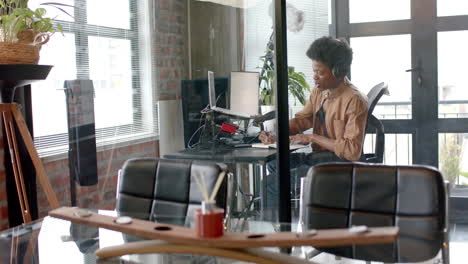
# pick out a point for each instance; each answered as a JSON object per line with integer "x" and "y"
{"x": 53, "y": 240}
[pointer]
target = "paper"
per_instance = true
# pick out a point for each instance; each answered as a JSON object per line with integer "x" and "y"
{"x": 291, "y": 146}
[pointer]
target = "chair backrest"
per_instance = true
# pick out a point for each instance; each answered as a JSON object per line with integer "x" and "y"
{"x": 340, "y": 195}
{"x": 374, "y": 95}
{"x": 164, "y": 190}
{"x": 374, "y": 125}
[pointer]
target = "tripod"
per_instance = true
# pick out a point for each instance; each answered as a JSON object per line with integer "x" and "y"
{"x": 12, "y": 77}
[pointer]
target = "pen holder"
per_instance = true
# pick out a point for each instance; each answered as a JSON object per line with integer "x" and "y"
{"x": 209, "y": 221}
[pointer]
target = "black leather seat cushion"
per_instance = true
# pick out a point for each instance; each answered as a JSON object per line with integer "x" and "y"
{"x": 340, "y": 195}
{"x": 164, "y": 190}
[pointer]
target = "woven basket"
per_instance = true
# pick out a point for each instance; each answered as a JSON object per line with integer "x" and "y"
{"x": 18, "y": 53}
{"x": 26, "y": 51}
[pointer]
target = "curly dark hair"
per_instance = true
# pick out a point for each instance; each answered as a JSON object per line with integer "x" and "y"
{"x": 335, "y": 53}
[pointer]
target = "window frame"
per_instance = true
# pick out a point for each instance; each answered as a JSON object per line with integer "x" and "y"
{"x": 82, "y": 31}
{"x": 423, "y": 26}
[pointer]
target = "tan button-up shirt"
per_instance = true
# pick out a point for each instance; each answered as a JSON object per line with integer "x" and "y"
{"x": 345, "y": 119}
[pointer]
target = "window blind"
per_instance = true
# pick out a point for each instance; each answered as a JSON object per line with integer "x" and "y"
{"x": 107, "y": 41}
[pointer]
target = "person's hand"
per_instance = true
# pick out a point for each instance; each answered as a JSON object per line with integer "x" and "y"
{"x": 266, "y": 138}
{"x": 302, "y": 139}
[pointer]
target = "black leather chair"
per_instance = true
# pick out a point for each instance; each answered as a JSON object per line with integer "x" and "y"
{"x": 414, "y": 198}
{"x": 374, "y": 125}
{"x": 164, "y": 190}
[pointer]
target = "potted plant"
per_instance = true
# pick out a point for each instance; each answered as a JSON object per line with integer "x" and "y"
{"x": 23, "y": 31}
{"x": 297, "y": 84}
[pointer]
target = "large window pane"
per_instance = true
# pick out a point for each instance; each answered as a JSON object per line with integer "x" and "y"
{"x": 384, "y": 59}
{"x": 48, "y": 97}
{"x": 117, "y": 14}
{"x": 382, "y": 10}
{"x": 453, "y": 158}
{"x": 452, "y": 7}
{"x": 111, "y": 72}
{"x": 398, "y": 149}
{"x": 453, "y": 85}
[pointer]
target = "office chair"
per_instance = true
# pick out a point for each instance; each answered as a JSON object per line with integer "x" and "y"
{"x": 374, "y": 125}
{"x": 414, "y": 198}
{"x": 164, "y": 190}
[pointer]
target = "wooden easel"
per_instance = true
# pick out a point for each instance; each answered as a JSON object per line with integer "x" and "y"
{"x": 11, "y": 116}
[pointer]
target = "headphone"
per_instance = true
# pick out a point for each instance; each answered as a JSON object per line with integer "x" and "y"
{"x": 341, "y": 67}
{"x": 339, "y": 70}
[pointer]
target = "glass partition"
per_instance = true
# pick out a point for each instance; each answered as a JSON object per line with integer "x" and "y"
{"x": 84, "y": 131}
{"x": 178, "y": 81}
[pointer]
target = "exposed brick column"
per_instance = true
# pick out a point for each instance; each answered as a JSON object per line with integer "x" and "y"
{"x": 170, "y": 47}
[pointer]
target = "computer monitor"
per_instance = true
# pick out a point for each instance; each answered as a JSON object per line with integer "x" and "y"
{"x": 211, "y": 89}
{"x": 243, "y": 94}
{"x": 195, "y": 98}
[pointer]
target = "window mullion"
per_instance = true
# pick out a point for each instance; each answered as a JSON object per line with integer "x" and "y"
{"x": 81, "y": 41}
{"x": 424, "y": 81}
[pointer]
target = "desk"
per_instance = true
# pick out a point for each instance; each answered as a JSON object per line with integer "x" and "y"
{"x": 53, "y": 240}
{"x": 241, "y": 155}
{"x": 258, "y": 157}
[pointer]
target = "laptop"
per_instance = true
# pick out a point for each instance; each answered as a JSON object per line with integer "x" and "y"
{"x": 243, "y": 94}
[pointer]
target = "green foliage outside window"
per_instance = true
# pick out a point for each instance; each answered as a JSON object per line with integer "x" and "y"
{"x": 450, "y": 157}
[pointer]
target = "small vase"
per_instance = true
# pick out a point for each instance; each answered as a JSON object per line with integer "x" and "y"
{"x": 209, "y": 221}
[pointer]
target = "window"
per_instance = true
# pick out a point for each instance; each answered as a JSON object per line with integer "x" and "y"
{"x": 452, "y": 7}
{"x": 453, "y": 95}
{"x": 398, "y": 148}
{"x": 453, "y": 157}
{"x": 384, "y": 59}
{"x": 110, "y": 48}
{"x": 372, "y": 11}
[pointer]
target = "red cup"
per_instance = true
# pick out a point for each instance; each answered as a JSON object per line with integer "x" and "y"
{"x": 209, "y": 224}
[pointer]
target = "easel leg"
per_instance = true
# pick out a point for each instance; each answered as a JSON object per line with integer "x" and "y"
{"x": 40, "y": 171}
{"x": 16, "y": 164}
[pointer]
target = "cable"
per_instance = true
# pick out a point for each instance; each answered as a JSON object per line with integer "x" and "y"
{"x": 190, "y": 140}
{"x": 204, "y": 111}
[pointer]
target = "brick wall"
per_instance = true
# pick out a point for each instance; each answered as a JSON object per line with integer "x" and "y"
{"x": 102, "y": 195}
{"x": 170, "y": 47}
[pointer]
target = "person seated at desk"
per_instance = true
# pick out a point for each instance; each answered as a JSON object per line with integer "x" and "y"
{"x": 336, "y": 111}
